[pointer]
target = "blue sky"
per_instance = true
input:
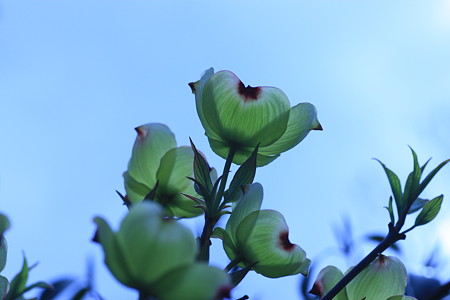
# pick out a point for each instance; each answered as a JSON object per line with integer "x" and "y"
{"x": 77, "y": 76}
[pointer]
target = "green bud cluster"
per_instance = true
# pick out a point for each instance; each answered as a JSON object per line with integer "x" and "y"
{"x": 156, "y": 256}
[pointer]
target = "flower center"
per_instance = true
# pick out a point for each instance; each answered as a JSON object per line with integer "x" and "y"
{"x": 247, "y": 92}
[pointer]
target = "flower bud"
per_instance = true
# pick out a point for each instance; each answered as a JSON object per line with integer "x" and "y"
{"x": 327, "y": 278}
{"x": 194, "y": 282}
{"x": 260, "y": 238}
{"x": 242, "y": 117}
{"x": 156, "y": 159}
{"x": 146, "y": 247}
{"x": 383, "y": 278}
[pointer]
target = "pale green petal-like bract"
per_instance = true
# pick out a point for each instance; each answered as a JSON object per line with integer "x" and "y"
{"x": 327, "y": 278}
{"x": 302, "y": 119}
{"x": 383, "y": 278}
{"x": 241, "y": 117}
{"x": 194, "y": 282}
{"x": 263, "y": 239}
{"x": 152, "y": 142}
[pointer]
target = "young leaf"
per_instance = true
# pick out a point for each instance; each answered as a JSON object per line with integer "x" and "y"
{"x": 125, "y": 200}
{"x": 390, "y": 210}
{"x": 202, "y": 171}
{"x": 430, "y": 176}
{"x": 80, "y": 294}
{"x": 40, "y": 284}
{"x": 417, "y": 204}
{"x": 151, "y": 195}
{"x": 412, "y": 183}
{"x": 18, "y": 283}
{"x": 429, "y": 211}
{"x": 58, "y": 287}
{"x": 244, "y": 175}
{"x": 199, "y": 188}
{"x": 395, "y": 186}
{"x": 378, "y": 238}
{"x": 237, "y": 276}
{"x": 422, "y": 168}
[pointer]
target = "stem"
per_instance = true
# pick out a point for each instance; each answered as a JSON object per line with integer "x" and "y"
{"x": 232, "y": 263}
{"x": 205, "y": 241}
{"x": 442, "y": 291}
{"x": 212, "y": 216}
{"x": 223, "y": 181}
{"x": 392, "y": 237}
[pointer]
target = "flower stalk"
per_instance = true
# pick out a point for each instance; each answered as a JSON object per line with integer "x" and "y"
{"x": 213, "y": 215}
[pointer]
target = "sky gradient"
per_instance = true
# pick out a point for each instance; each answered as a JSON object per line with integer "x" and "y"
{"x": 77, "y": 76}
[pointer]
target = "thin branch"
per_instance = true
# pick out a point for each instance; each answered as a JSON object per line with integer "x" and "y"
{"x": 392, "y": 237}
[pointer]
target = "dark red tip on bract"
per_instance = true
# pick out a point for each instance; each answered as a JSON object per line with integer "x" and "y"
{"x": 284, "y": 241}
{"x": 317, "y": 289}
{"x": 192, "y": 86}
{"x": 247, "y": 92}
{"x": 224, "y": 292}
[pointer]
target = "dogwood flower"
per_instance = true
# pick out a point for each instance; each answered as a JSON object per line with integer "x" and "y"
{"x": 384, "y": 279}
{"x": 260, "y": 238}
{"x": 156, "y": 161}
{"x": 156, "y": 256}
{"x": 241, "y": 117}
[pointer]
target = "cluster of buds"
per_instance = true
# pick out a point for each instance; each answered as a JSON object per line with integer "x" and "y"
{"x": 156, "y": 256}
{"x": 251, "y": 127}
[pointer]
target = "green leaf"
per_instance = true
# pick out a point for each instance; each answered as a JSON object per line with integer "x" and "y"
{"x": 430, "y": 176}
{"x": 422, "y": 168}
{"x": 390, "y": 210}
{"x": 152, "y": 194}
{"x": 18, "y": 283}
{"x": 57, "y": 288}
{"x": 198, "y": 187}
{"x": 125, "y": 200}
{"x": 202, "y": 173}
{"x": 40, "y": 284}
{"x": 378, "y": 238}
{"x": 237, "y": 276}
{"x": 244, "y": 175}
{"x": 410, "y": 193}
{"x": 395, "y": 186}
{"x": 429, "y": 211}
{"x": 80, "y": 294}
{"x": 417, "y": 204}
